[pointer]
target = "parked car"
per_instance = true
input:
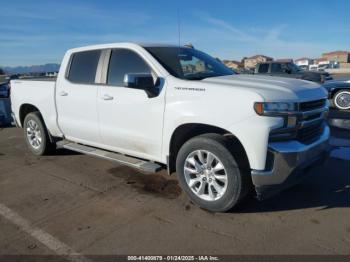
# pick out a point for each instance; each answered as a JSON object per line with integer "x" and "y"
{"x": 304, "y": 67}
{"x": 288, "y": 69}
{"x": 323, "y": 67}
{"x": 152, "y": 107}
{"x": 313, "y": 67}
{"x": 4, "y": 90}
{"x": 338, "y": 94}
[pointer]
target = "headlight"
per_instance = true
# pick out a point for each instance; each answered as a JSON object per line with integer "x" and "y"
{"x": 274, "y": 108}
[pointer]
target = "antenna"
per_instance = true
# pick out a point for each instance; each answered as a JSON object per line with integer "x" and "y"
{"x": 178, "y": 26}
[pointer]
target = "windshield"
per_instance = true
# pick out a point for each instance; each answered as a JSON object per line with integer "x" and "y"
{"x": 188, "y": 63}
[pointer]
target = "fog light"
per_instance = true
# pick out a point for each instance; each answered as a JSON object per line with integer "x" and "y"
{"x": 291, "y": 122}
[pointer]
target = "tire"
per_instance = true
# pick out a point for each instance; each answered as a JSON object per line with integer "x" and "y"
{"x": 341, "y": 100}
{"x": 224, "y": 195}
{"x": 36, "y": 135}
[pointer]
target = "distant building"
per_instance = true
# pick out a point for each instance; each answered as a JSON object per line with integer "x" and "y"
{"x": 232, "y": 64}
{"x": 304, "y": 61}
{"x": 251, "y": 62}
{"x": 51, "y": 74}
{"x": 200, "y": 66}
{"x": 321, "y": 61}
{"x": 324, "y": 63}
{"x": 337, "y": 56}
{"x": 188, "y": 68}
{"x": 285, "y": 60}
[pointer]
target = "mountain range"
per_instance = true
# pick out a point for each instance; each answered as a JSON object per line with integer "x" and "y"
{"x": 31, "y": 69}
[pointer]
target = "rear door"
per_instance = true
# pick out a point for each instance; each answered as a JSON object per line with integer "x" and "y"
{"x": 131, "y": 122}
{"x": 263, "y": 68}
{"x": 76, "y": 95}
{"x": 283, "y": 70}
{"x": 278, "y": 69}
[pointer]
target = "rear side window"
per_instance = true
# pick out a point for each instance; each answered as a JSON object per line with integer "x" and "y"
{"x": 83, "y": 67}
{"x": 263, "y": 68}
{"x": 124, "y": 61}
{"x": 276, "y": 68}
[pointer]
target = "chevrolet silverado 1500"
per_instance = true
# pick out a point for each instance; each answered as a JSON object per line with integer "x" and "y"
{"x": 159, "y": 106}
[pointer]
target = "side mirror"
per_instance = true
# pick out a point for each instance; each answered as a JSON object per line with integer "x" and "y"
{"x": 142, "y": 81}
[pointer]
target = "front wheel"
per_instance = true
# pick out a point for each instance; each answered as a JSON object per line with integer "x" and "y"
{"x": 209, "y": 174}
{"x": 342, "y": 99}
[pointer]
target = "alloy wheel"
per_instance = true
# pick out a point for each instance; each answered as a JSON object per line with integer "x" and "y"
{"x": 205, "y": 175}
{"x": 34, "y": 135}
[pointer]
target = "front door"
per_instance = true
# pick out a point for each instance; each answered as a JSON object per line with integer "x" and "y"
{"x": 130, "y": 121}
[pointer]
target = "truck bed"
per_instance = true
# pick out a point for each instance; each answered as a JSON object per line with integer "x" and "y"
{"x": 39, "y": 92}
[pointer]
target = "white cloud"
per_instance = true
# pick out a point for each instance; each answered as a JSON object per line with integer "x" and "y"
{"x": 57, "y": 26}
{"x": 235, "y": 42}
{"x": 59, "y": 12}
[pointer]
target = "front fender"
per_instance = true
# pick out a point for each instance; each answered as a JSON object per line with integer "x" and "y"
{"x": 253, "y": 133}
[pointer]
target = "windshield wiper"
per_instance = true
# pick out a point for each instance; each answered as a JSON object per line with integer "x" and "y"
{"x": 201, "y": 77}
{"x": 196, "y": 77}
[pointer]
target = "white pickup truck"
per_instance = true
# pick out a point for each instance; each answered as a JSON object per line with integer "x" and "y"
{"x": 157, "y": 106}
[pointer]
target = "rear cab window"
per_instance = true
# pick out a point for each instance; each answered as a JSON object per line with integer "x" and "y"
{"x": 83, "y": 67}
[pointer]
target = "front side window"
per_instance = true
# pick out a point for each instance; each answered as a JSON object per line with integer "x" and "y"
{"x": 188, "y": 63}
{"x": 124, "y": 61}
{"x": 83, "y": 67}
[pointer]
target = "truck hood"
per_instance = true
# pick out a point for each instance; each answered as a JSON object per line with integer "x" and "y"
{"x": 272, "y": 88}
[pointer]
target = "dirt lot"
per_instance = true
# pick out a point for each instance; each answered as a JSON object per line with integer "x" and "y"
{"x": 75, "y": 204}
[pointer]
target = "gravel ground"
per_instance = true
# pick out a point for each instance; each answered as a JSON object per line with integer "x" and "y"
{"x": 70, "y": 203}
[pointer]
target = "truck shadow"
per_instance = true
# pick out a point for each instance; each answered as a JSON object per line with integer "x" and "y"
{"x": 327, "y": 186}
{"x": 64, "y": 152}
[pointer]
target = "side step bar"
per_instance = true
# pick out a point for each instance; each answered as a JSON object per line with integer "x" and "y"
{"x": 137, "y": 163}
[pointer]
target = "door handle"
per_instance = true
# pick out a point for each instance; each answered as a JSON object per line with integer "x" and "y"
{"x": 63, "y": 93}
{"x": 107, "y": 97}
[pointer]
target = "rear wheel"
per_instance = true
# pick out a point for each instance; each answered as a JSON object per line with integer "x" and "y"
{"x": 36, "y": 135}
{"x": 209, "y": 174}
{"x": 342, "y": 99}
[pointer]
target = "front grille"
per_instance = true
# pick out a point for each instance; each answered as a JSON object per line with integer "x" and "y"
{"x": 313, "y": 116}
{"x": 310, "y": 134}
{"x": 311, "y": 105}
{"x": 310, "y": 124}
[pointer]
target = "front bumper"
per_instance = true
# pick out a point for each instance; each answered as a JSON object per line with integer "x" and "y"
{"x": 287, "y": 163}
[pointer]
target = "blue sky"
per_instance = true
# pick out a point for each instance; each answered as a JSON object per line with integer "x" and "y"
{"x": 38, "y": 32}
